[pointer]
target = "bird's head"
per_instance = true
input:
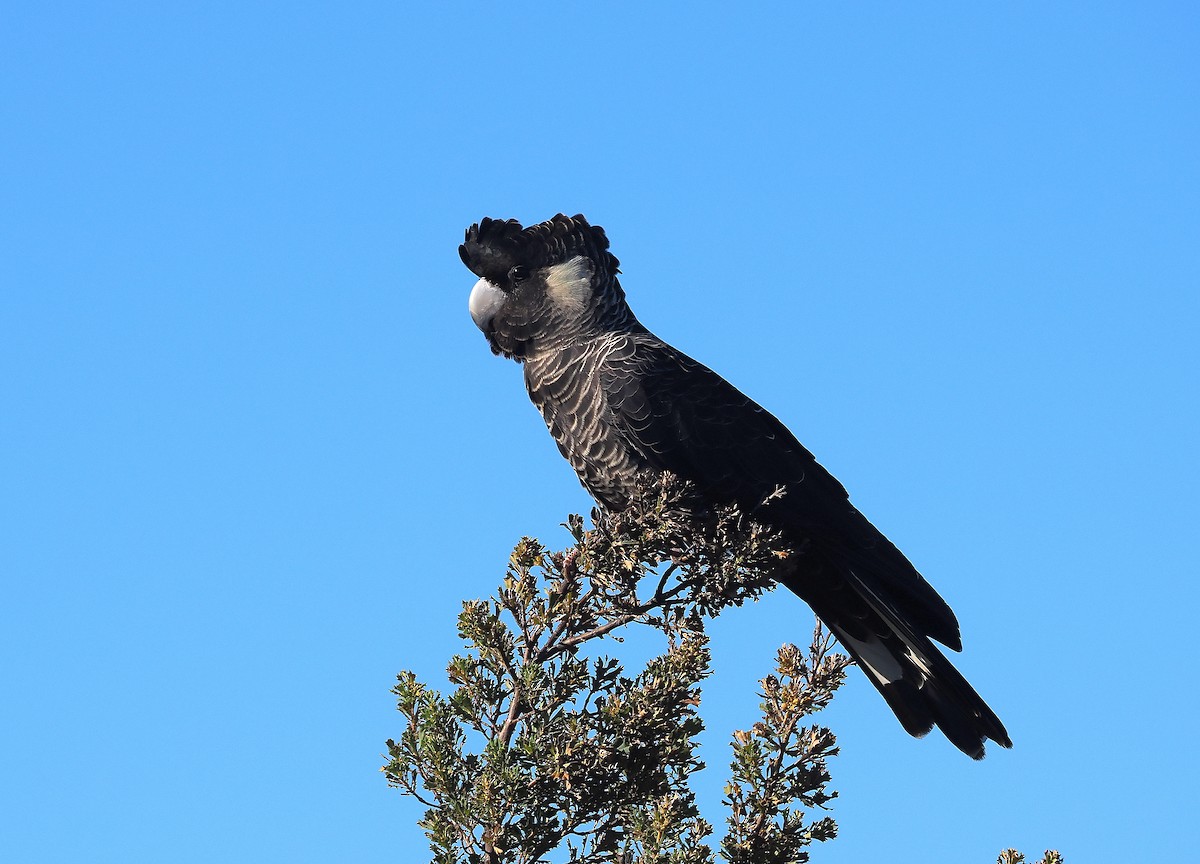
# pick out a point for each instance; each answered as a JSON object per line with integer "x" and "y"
{"x": 540, "y": 285}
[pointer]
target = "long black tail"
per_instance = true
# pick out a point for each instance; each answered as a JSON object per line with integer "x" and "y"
{"x": 919, "y": 684}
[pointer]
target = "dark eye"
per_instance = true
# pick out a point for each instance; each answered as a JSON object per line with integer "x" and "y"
{"x": 518, "y": 274}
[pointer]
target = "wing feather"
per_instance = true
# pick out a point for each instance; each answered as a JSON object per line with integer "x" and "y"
{"x": 682, "y": 417}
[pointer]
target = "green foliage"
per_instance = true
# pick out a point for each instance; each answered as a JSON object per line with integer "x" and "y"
{"x": 548, "y": 747}
{"x": 1012, "y": 856}
{"x": 543, "y": 747}
{"x": 780, "y": 761}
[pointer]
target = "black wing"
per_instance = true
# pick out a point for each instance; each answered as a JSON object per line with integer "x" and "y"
{"x": 682, "y": 417}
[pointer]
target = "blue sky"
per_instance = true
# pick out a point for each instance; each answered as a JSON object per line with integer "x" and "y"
{"x": 253, "y": 453}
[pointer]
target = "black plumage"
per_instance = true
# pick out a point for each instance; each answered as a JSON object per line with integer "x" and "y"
{"x": 619, "y": 401}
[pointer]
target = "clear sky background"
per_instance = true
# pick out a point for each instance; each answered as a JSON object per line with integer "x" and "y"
{"x": 253, "y": 453}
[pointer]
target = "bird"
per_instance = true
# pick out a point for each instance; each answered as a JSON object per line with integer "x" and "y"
{"x": 622, "y": 404}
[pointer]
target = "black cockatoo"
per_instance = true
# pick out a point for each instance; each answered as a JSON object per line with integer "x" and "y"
{"x": 621, "y": 402}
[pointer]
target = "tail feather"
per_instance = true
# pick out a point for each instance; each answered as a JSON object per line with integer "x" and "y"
{"x": 907, "y": 703}
{"x": 959, "y": 721}
{"x": 920, "y": 685}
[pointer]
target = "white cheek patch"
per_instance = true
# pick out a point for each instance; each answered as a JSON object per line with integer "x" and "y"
{"x": 569, "y": 284}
